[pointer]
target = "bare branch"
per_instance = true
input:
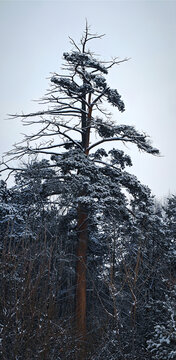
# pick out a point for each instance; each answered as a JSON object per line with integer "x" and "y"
{"x": 73, "y": 42}
{"x": 109, "y": 139}
{"x": 99, "y": 96}
{"x": 115, "y": 62}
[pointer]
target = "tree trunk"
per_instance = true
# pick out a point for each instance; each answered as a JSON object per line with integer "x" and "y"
{"x": 82, "y": 226}
{"x": 81, "y": 282}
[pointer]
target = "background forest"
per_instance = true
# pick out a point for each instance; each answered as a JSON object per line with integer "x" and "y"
{"x": 87, "y": 253}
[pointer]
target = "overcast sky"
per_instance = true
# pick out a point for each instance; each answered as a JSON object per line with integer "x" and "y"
{"x": 33, "y": 37}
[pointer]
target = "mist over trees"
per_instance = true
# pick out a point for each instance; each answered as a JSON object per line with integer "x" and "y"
{"x": 87, "y": 254}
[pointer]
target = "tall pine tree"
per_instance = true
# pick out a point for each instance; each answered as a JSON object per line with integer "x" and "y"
{"x": 90, "y": 178}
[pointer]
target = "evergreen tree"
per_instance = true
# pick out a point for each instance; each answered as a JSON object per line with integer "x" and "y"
{"x": 162, "y": 339}
{"x": 84, "y": 176}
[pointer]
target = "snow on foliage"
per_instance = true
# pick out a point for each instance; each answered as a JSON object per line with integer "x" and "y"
{"x": 83, "y": 210}
{"x": 162, "y": 343}
{"x": 84, "y": 60}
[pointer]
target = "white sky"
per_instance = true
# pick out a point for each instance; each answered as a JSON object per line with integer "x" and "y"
{"x": 33, "y": 37}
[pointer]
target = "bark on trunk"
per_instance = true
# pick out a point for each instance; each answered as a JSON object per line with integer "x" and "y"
{"x": 81, "y": 281}
{"x": 82, "y": 227}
